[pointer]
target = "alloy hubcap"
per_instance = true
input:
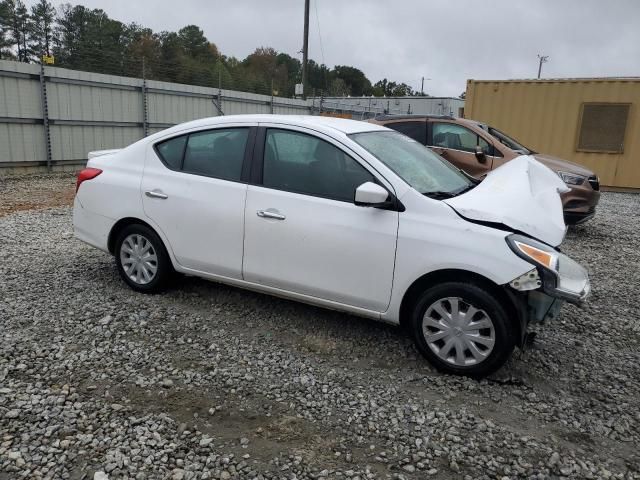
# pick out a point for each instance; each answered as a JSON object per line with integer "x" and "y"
{"x": 458, "y": 332}
{"x": 138, "y": 259}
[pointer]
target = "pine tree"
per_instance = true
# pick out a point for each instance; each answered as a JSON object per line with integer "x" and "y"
{"x": 15, "y": 24}
{"x": 5, "y": 41}
{"x": 41, "y": 32}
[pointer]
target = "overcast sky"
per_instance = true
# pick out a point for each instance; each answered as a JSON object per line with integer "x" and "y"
{"x": 447, "y": 41}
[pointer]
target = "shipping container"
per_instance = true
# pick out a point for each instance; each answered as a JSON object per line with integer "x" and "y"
{"x": 594, "y": 122}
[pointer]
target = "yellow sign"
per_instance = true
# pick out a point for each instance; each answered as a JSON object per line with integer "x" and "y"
{"x": 48, "y": 59}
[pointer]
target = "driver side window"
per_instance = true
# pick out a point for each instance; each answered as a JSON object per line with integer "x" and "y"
{"x": 301, "y": 163}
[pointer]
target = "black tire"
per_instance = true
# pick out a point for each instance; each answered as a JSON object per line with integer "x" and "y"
{"x": 164, "y": 268}
{"x": 481, "y": 298}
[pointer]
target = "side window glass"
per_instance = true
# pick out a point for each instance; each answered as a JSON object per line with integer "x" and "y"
{"x": 486, "y": 147}
{"x": 450, "y": 135}
{"x": 216, "y": 153}
{"x": 415, "y": 130}
{"x": 170, "y": 152}
{"x": 301, "y": 163}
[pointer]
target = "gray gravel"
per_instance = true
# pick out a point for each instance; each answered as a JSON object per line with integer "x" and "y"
{"x": 208, "y": 381}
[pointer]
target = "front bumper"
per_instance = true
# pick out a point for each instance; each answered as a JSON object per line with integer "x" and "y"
{"x": 533, "y": 307}
{"x": 579, "y": 203}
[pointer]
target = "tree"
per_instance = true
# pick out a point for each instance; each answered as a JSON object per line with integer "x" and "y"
{"x": 355, "y": 79}
{"x": 463, "y": 95}
{"x": 15, "y": 25}
{"x": 5, "y": 41}
{"x": 41, "y": 24}
{"x": 196, "y": 45}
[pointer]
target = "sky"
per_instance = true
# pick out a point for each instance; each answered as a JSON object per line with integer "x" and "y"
{"x": 445, "y": 41}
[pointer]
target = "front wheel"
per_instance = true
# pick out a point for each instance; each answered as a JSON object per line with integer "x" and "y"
{"x": 461, "y": 328}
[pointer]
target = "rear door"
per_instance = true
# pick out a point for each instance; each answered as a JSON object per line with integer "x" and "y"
{"x": 458, "y": 145}
{"x": 194, "y": 188}
{"x": 303, "y": 231}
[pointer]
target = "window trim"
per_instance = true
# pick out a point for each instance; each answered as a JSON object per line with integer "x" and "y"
{"x": 247, "y": 158}
{"x": 624, "y": 135}
{"x": 257, "y": 170}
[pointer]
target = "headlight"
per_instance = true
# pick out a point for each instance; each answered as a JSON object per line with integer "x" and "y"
{"x": 571, "y": 178}
{"x": 561, "y": 276}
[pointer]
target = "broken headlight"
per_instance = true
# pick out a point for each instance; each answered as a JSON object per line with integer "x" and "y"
{"x": 561, "y": 276}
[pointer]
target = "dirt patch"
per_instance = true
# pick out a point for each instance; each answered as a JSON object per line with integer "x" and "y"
{"x": 36, "y": 192}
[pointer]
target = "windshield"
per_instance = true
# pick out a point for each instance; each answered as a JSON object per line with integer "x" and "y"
{"x": 509, "y": 142}
{"x": 414, "y": 163}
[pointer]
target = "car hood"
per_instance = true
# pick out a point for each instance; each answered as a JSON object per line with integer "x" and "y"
{"x": 559, "y": 165}
{"x": 523, "y": 195}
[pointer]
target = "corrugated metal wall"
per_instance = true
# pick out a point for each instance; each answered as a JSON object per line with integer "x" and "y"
{"x": 89, "y": 111}
{"x": 545, "y": 115}
{"x": 398, "y": 105}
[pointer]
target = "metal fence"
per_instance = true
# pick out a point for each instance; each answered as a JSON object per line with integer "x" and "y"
{"x": 52, "y": 116}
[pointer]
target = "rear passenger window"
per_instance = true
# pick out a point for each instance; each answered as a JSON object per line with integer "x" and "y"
{"x": 171, "y": 151}
{"x": 301, "y": 163}
{"x": 415, "y": 130}
{"x": 216, "y": 153}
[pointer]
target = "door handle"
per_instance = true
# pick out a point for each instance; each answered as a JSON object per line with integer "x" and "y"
{"x": 270, "y": 213}
{"x": 156, "y": 194}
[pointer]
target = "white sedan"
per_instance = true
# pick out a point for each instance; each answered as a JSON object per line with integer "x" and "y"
{"x": 343, "y": 214}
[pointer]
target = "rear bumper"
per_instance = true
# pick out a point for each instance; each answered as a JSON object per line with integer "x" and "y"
{"x": 90, "y": 227}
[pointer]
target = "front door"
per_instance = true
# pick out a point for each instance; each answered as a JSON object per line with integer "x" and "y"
{"x": 193, "y": 189}
{"x": 303, "y": 232}
{"x": 458, "y": 144}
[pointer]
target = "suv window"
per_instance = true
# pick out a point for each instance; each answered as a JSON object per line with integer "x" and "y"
{"x": 216, "y": 153}
{"x": 301, "y": 163}
{"x": 456, "y": 137}
{"x": 449, "y": 135}
{"x": 415, "y": 130}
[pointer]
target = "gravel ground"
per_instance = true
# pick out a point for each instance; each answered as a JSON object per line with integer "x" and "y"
{"x": 208, "y": 381}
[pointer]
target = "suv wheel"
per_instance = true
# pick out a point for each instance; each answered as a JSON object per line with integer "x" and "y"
{"x": 462, "y": 329}
{"x": 141, "y": 259}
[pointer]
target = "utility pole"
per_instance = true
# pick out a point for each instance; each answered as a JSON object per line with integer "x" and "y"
{"x": 543, "y": 59}
{"x": 422, "y": 88}
{"x": 305, "y": 49}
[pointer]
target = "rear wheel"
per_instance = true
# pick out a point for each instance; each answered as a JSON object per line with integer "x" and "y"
{"x": 461, "y": 328}
{"x": 142, "y": 260}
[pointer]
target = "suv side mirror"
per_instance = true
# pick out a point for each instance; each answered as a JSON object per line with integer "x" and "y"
{"x": 370, "y": 194}
{"x": 480, "y": 155}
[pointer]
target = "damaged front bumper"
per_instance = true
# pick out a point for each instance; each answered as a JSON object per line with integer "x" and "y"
{"x": 539, "y": 294}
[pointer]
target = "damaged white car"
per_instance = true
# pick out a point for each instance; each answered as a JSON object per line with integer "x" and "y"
{"x": 342, "y": 214}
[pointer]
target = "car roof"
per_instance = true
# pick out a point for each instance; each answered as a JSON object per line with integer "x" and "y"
{"x": 312, "y": 121}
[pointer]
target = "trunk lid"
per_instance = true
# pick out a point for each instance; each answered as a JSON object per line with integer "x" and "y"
{"x": 522, "y": 194}
{"x": 102, "y": 153}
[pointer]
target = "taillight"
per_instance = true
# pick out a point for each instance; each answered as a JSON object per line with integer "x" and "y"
{"x": 87, "y": 174}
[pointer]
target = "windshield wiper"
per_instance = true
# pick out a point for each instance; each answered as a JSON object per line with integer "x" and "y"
{"x": 439, "y": 195}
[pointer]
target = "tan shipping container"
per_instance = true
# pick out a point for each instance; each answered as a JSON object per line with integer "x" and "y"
{"x": 594, "y": 122}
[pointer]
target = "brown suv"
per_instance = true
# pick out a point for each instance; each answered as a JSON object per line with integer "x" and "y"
{"x": 478, "y": 148}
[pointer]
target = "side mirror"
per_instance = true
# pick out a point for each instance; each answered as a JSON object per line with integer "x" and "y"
{"x": 370, "y": 194}
{"x": 480, "y": 156}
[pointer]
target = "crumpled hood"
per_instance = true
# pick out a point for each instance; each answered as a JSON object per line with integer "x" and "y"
{"x": 522, "y": 194}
